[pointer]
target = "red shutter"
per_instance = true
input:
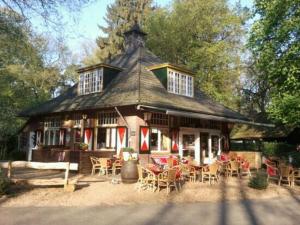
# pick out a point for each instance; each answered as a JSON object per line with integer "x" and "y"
{"x": 144, "y": 140}
{"x": 62, "y": 134}
{"x": 174, "y": 140}
{"x": 88, "y": 138}
{"x": 121, "y": 138}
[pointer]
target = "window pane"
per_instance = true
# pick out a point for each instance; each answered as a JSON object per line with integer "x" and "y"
{"x": 177, "y": 82}
{"x": 101, "y": 138}
{"x": 214, "y": 144}
{"x": 154, "y": 139}
{"x": 113, "y": 137}
{"x": 183, "y": 84}
{"x": 56, "y": 141}
{"x": 164, "y": 140}
{"x": 107, "y": 138}
{"x": 170, "y": 81}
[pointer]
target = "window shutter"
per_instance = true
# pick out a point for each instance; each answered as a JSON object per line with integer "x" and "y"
{"x": 38, "y": 137}
{"x": 174, "y": 140}
{"x": 122, "y": 138}
{"x": 62, "y": 136}
{"x": 88, "y": 138}
{"x": 144, "y": 140}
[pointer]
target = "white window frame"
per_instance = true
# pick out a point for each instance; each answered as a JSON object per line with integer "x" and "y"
{"x": 90, "y": 82}
{"x": 159, "y": 140}
{"x": 180, "y": 83}
{"x": 107, "y": 118}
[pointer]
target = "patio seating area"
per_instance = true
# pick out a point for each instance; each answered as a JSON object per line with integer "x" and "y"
{"x": 171, "y": 172}
{"x": 282, "y": 172}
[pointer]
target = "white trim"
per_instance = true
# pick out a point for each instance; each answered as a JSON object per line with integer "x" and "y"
{"x": 90, "y": 81}
{"x": 197, "y": 132}
{"x": 174, "y": 83}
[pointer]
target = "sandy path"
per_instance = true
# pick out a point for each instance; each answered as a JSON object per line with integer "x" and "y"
{"x": 102, "y": 192}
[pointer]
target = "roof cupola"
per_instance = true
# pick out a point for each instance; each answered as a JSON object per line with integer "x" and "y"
{"x": 134, "y": 38}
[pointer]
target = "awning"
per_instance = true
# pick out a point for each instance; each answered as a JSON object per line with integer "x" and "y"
{"x": 204, "y": 116}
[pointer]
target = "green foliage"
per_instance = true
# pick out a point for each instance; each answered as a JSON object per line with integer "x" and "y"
{"x": 259, "y": 181}
{"x": 120, "y": 16}
{"x": 275, "y": 45}
{"x": 28, "y": 76}
{"x": 17, "y": 155}
{"x": 295, "y": 155}
{"x": 245, "y": 146}
{"x": 4, "y": 184}
{"x": 277, "y": 149}
{"x": 127, "y": 149}
{"x": 206, "y": 36}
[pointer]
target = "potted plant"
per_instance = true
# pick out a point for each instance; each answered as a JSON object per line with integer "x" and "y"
{"x": 129, "y": 171}
{"x": 83, "y": 146}
{"x": 39, "y": 146}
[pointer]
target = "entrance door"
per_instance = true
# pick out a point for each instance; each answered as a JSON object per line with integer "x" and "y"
{"x": 188, "y": 144}
{"x": 204, "y": 147}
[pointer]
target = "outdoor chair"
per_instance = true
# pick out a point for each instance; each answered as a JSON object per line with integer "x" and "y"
{"x": 285, "y": 174}
{"x": 210, "y": 172}
{"x": 167, "y": 179}
{"x": 117, "y": 166}
{"x": 179, "y": 177}
{"x": 272, "y": 172}
{"x": 245, "y": 168}
{"x": 147, "y": 178}
{"x": 95, "y": 165}
{"x": 105, "y": 165}
{"x": 187, "y": 172}
{"x": 233, "y": 168}
{"x": 296, "y": 176}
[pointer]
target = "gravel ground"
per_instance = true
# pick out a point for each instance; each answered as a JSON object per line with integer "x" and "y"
{"x": 99, "y": 191}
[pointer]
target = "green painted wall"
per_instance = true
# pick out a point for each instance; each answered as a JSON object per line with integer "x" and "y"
{"x": 162, "y": 75}
{"x": 108, "y": 75}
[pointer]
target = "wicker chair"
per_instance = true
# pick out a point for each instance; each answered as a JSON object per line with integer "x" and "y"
{"x": 170, "y": 162}
{"x": 142, "y": 181}
{"x": 117, "y": 165}
{"x": 187, "y": 172}
{"x": 233, "y": 168}
{"x": 272, "y": 172}
{"x": 210, "y": 173}
{"x": 285, "y": 174}
{"x": 245, "y": 168}
{"x": 167, "y": 179}
{"x": 95, "y": 165}
{"x": 105, "y": 165}
{"x": 296, "y": 176}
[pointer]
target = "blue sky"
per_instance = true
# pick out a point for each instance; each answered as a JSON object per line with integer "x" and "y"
{"x": 85, "y": 28}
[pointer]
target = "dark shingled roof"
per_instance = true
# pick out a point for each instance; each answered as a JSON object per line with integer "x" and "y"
{"x": 135, "y": 84}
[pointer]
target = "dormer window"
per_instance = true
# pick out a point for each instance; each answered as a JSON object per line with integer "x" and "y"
{"x": 180, "y": 83}
{"x": 175, "y": 79}
{"x": 91, "y": 81}
{"x": 95, "y": 78}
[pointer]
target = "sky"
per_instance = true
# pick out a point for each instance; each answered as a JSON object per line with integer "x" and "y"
{"x": 84, "y": 30}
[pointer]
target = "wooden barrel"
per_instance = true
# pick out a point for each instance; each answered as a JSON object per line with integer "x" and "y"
{"x": 129, "y": 172}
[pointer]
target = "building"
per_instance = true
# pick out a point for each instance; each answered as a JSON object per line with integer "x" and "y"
{"x": 134, "y": 100}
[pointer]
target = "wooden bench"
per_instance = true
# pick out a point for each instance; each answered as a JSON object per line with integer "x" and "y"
{"x": 69, "y": 184}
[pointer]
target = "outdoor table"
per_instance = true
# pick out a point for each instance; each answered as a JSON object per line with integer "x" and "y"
{"x": 155, "y": 169}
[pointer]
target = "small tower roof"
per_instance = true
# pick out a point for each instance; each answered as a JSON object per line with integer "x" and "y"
{"x": 135, "y": 29}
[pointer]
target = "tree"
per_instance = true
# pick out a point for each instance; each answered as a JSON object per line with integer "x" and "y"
{"x": 275, "y": 43}
{"x": 48, "y": 10}
{"x": 206, "y": 36}
{"x": 27, "y": 76}
{"x": 120, "y": 16}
